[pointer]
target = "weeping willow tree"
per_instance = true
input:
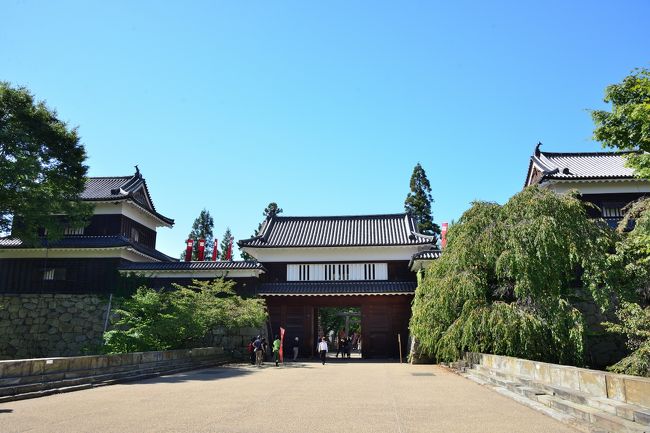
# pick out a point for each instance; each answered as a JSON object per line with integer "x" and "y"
{"x": 505, "y": 280}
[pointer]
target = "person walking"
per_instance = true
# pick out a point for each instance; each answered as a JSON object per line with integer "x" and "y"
{"x": 259, "y": 351}
{"x": 276, "y": 350}
{"x": 322, "y": 349}
{"x": 296, "y": 348}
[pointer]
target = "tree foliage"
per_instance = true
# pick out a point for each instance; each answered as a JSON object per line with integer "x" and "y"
{"x": 505, "y": 281}
{"x": 181, "y": 318}
{"x": 42, "y": 169}
{"x": 418, "y": 202}
{"x": 630, "y": 267}
{"x": 627, "y": 126}
{"x": 634, "y": 323}
{"x": 225, "y": 245}
{"x": 201, "y": 229}
{"x": 271, "y": 210}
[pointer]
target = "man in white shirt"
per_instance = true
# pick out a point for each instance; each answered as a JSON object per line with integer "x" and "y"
{"x": 322, "y": 349}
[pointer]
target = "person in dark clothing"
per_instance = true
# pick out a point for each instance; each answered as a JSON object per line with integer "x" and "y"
{"x": 251, "y": 350}
{"x": 259, "y": 351}
{"x": 348, "y": 346}
{"x": 340, "y": 347}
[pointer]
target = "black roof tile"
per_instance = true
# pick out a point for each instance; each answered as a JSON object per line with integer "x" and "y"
{"x": 338, "y": 231}
{"x": 315, "y": 288}
{"x": 122, "y": 188}
{"x": 579, "y": 166}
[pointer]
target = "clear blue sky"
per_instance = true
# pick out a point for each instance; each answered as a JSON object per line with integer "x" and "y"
{"x": 323, "y": 107}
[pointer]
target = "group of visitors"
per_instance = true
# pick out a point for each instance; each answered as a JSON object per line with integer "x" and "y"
{"x": 258, "y": 350}
{"x": 345, "y": 344}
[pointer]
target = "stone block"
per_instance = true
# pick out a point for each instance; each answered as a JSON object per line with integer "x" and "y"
{"x": 637, "y": 391}
{"x": 569, "y": 378}
{"x": 542, "y": 372}
{"x": 592, "y": 382}
{"x": 527, "y": 368}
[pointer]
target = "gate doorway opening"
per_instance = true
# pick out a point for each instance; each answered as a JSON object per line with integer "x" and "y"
{"x": 342, "y": 328}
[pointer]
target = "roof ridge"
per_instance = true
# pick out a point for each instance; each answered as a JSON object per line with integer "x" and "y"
{"x": 109, "y": 177}
{"x": 603, "y": 153}
{"x": 311, "y": 217}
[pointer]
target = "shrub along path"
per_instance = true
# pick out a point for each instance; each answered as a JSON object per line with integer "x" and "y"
{"x": 342, "y": 396}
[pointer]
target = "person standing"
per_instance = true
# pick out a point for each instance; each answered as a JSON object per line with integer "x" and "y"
{"x": 322, "y": 349}
{"x": 259, "y": 351}
{"x": 276, "y": 350}
{"x": 296, "y": 348}
{"x": 251, "y": 350}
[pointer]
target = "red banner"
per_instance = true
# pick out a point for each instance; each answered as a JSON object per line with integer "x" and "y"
{"x": 201, "y": 250}
{"x": 215, "y": 253}
{"x": 188, "y": 250}
{"x": 443, "y": 235}
{"x": 229, "y": 252}
{"x": 281, "y": 344}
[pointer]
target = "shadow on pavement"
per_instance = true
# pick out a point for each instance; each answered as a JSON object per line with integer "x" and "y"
{"x": 6, "y": 410}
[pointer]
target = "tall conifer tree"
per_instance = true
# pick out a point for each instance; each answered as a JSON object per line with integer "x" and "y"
{"x": 225, "y": 245}
{"x": 202, "y": 229}
{"x": 418, "y": 202}
{"x": 270, "y": 210}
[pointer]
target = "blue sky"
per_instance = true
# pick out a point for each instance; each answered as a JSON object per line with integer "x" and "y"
{"x": 323, "y": 107}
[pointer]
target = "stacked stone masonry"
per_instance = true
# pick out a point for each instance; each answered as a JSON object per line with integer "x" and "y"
{"x": 39, "y": 325}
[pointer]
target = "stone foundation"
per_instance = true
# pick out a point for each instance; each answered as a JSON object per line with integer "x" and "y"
{"x": 44, "y": 325}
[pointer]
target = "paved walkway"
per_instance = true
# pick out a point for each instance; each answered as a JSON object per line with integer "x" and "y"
{"x": 339, "y": 397}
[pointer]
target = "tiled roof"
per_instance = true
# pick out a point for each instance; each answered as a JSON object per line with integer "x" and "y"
{"x": 578, "y": 166}
{"x": 192, "y": 266}
{"x": 132, "y": 188}
{"x": 81, "y": 242}
{"x": 337, "y": 231}
{"x": 318, "y": 288}
{"x": 427, "y": 255}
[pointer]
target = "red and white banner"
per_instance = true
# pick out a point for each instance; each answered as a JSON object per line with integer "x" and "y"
{"x": 201, "y": 250}
{"x": 215, "y": 253}
{"x": 443, "y": 234}
{"x": 188, "y": 250}
{"x": 281, "y": 344}
{"x": 229, "y": 252}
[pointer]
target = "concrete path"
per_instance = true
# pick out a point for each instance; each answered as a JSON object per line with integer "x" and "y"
{"x": 339, "y": 397}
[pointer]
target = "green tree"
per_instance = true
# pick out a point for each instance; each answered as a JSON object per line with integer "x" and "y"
{"x": 627, "y": 126}
{"x": 629, "y": 269}
{"x": 418, "y": 202}
{"x": 181, "y": 318}
{"x": 505, "y": 282}
{"x": 201, "y": 229}
{"x": 42, "y": 168}
{"x": 225, "y": 245}
{"x": 269, "y": 211}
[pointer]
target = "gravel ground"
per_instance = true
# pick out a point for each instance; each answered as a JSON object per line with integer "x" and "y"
{"x": 342, "y": 396}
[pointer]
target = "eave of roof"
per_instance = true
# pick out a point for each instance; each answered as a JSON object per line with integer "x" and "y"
{"x": 426, "y": 255}
{"x": 337, "y": 288}
{"x": 88, "y": 242}
{"x": 193, "y": 266}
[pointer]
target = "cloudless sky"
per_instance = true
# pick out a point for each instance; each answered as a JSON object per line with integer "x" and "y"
{"x": 323, "y": 107}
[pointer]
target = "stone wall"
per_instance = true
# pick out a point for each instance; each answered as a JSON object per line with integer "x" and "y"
{"x": 235, "y": 341}
{"x": 602, "y": 348}
{"x": 44, "y": 325}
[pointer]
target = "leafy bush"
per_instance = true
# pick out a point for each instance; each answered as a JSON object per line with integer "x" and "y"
{"x": 506, "y": 278}
{"x": 180, "y": 318}
{"x": 635, "y": 325}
